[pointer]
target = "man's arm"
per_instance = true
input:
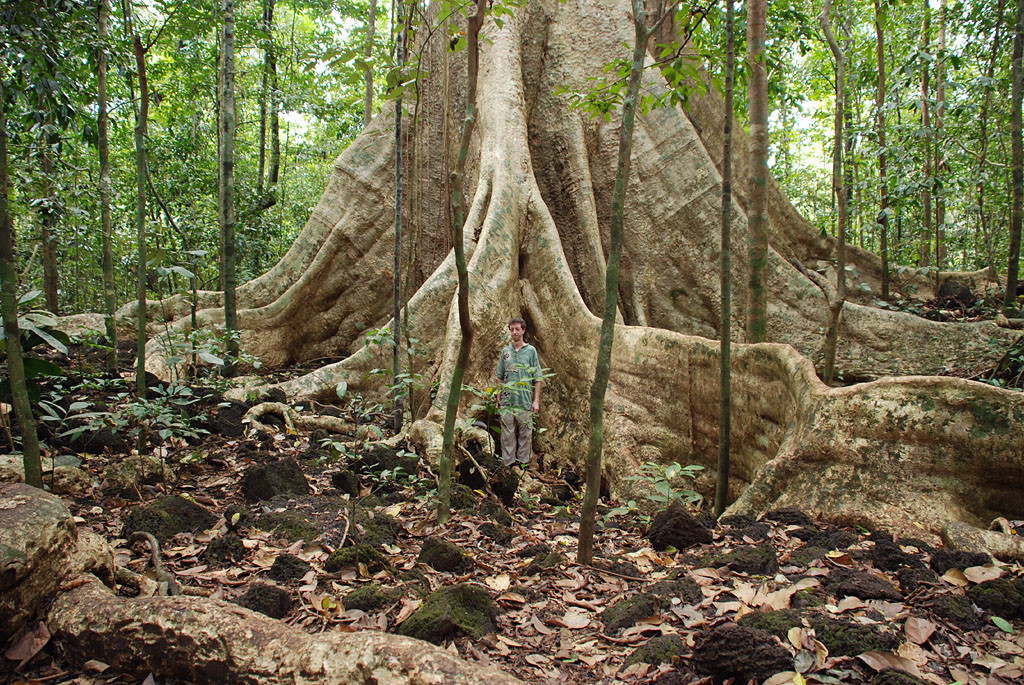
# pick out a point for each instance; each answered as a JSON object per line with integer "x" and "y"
{"x": 536, "y": 382}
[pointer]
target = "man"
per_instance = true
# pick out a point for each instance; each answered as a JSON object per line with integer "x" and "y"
{"x": 519, "y": 400}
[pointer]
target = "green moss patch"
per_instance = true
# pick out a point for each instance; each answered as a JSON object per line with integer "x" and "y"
{"x": 805, "y": 556}
{"x": 850, "y": 639}
{"x": 283, "y": 477}
{"x": 544, "y": 560}
{"x": 288, "y": 567}
{"x": 227, "y": 548}
{"x": 1001, "y": 597}
{"x": 292, "y": 525}
{"x": 369, "y": 598}
{"x": 627, "y": 612}
{"x": 463, "y": 609}
{"x": 442, "y": 555}
{"x": 167, "y": 517}
{"x": 778, "y": 623}
{"x": 663, "y": 649}
{"x": 353, "y": 556}
{"x": 956, "y": 610}
{"x": 497, "y": 532}
{"x": 267, "y": 599}
{"x": 756, "y": 560}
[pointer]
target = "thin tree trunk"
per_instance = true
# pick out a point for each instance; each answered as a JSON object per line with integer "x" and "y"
{"x": 141, "y": 115}
{"x": 9, "y": 310}
{"x": 883, "y": 186}
{"x": 836, "y": 308}
{"x": 48, "y": 216}
{"x": 585, "y": 553}
{"x": 103, "y": 143}
{"x": 275, "y": 121}
{"x": 756, "y": 10}
{"x": 268, "y": 29}
{"x": 986, "y": 232}
{"x": 757, "y": 251}
{"x": 926, "y": 195}
{"x": 227, "y": 185}
{"x": 1017, "y": 157}
{"x": 444, "y": 485}
{"x": 396, "y": 363}
{"x": 371, "y": 26}
{"x": 940, "y": 164}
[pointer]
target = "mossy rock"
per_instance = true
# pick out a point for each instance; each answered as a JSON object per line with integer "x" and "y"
{"x": 244, "y": 517}
{"x": 957, "y": 610}
{"x": 684, "y": 588}
{"x": 676, "y": 527}
{"x": 167, "y": 517}
{"x": 345, "y": 482}
{"x": 283, "y": 477}
{"x": 945, "y": 559}
{"x": 375, "y": 528}
{"x": 740, "y": 652}
{"x": 292, "y": 525}
{"x": 542, "y": 561}
{"x": 442, "y": 555}
{"x": 227, "y": 419}
{"x": 627, "y": 612}
{"x": 837, "y": 538}
{"x": 805, "y": 556}
{"x": 226, "y": 548}
{"x": 807, "y": 598}
{"x": 778, "y": 623}
{"x": 501, "y": 535}
{"x": 494, "y": 511}
{"x": 533, "y": 550}
{"x": 663, "y": 649}
{"x": 789, "y": 516}
{"x": 891, "y": 676}
{"x": 267, "y": 599}
{"x": 377, "y": 458}
{"x": 463, "y": 609}
{"x": 463, "y": 497}
{"x": 288, "y": 567}
{"x": 1000, "y": 597}
{"x": 755, "y": 560}
{"x": 369, "y": 598}
{"x": 417, "y": 580}
{"x": 843, "y": 638}
{"x": 353, "y": 556}
{"x": 888, "y": 556}
{"x": 844, "y": 582}
{"x": 913, "y": 578}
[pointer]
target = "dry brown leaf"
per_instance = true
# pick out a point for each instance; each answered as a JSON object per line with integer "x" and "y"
{"x": 908, "y": 650}
{"x": 989, "y": 661}
{"x": 511, "y": 597}
{"x": 95, "y": 666}
{"x": 840, "y": 559}
{"x": 575, "y": 619}
{"x": 961, "y": 676}
{"x": 499, "y": 583}
{"x": 918, "y": 630}
{"x": 539, "y": 626}
{"x": 955, "y": 576}
{"x": 783, "y": 678}
{"x": 883, "y": 660}
{"x": 538, "y": 660}
{"x": 29, "y": 645}
{"x": 851, "y": 603}
{"x": 744, "y": 592}
{"x": 408, "y": 607}
{"x": 979, "y": 574}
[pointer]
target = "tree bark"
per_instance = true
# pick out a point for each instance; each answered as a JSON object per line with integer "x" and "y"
{"x": 227, "y": 185}
{"x": 9, "y": 310}
{"x": 268, "y": 29}
{"x": 141, "y": 115}
{"x": 926, "y": 194}
{"x": 940, "y": 163}
{"x": 883, "y": 183}
{"x": 103, "y": 148}
{"x": 983, "y": 140}
{"x": 48, "y": 214}
{"x": 838, "y": 181}
{"x": 1017, "y": 155}
{"x": 757, "y": 212}
{"x": 755, "y": 49}
{"x": 371, "y": 26}
{"x": 396, "y": 285}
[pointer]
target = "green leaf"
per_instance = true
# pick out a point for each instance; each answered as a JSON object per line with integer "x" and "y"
{"x": 1002, "y": 624}
{"x": 210, "y": 358}
{"x": 40, "y": 367}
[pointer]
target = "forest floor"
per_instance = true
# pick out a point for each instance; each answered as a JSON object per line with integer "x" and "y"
{"x": 816, "y": 603}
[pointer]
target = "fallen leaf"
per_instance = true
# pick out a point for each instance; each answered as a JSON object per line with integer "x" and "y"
{"x": 408, "y": 607}
{"x": 989, "y": 661}
{"x": 785, "y": 678}
{"x": 955, "y": 576}
{"x": 539, "y": 626}
{"x": 499, "y": 583}
{"x": 883, "y": 660}
{"x": 979, "y": 574}
{"x": 918, "y": 630}
{"x": 95, "y": 666}
{"x": 960, "y": 676}
{"x": 538, "y": 659}
{"x": 511, "y": 597}
{"x": 29, "y": 645}
{"x": 840, "y": 558}
{"x": 575, "y": 619}
{"x": 851, "y": 603}
{"x": 908, "y": 650}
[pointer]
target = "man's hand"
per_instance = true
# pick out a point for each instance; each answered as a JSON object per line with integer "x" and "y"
{"x": 535, "y": 407}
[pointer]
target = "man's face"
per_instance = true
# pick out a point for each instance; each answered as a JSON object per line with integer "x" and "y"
{"x": 517, "y": 330}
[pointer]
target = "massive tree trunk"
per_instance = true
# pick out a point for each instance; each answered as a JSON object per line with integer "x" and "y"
{"x": 540, "y": 179}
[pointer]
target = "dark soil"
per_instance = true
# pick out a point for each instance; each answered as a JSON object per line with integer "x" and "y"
{"x": 283, "y": 477}
{"x": 732, "y": 651}
{"x": 442, "y": 555}
{"x": 168, "y": 516}
{"x": 288, "y": 567}
{"x": 788, "y": 516}
{"x": 676, "y": 527}
{"x": 945, "y": 559}
{"x": 267, "y": 599}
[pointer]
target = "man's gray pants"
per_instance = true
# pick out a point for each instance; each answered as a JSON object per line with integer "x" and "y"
{"x": 516, "y": 436}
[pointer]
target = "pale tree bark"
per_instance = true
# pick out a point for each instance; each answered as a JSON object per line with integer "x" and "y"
{"x": 757, "y": 211}
{"x": 371, "y": 26}
{"x": 839, "y": 183}
{"x": 539, "y": 180}
{"x": 1017, "y": 161}
{"x": 755, "y": 18}
{"x": 883, "y": 184}
{"x": 12, "y": 334}
{"x": 227, "y": 183}
{"x": 458, "y": 184}
{"x": 103, "y": 148}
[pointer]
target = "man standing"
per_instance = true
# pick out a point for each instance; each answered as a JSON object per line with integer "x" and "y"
{"x": 519, "y": 374}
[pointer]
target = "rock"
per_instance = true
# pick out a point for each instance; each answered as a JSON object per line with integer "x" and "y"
{"x": 227, "y": 548}
{"x": 345, "y": 482}
{"x": 777, "y": 623}
{"x": 945, "y": 559}
{"x": 662, "y": 649}
{"x": 732, "y": 651}
{"x": 844, "y": 638}
{"x": 442, "y": 555}
{"x": 956, "y": 610}
{"x": 463, "y": 609}
{"x": 267, "y": 599}
{"x": 226, "y": 419}
{"x": 502, "y": 535}
{"x": 353, "y": 556}
{"x": 94, "y": 555}
{"x": 913, "y": 578}
{"x": 955, "y": 294}
{"x": 756, "y": 560}
{"x": 283, "y": 477}
{"x": 288, "y": 567}
{"x": 887, "y": 556}
{"x": 369, "y": 598}
{"x": 167, "y": 517}
{"x": 844, "y": 583}
{"x": 292, "y": 525}
{"x": 677, "y": 527}
{"x": 63, "y": 475}
{"x": 128, "y": 476}
{"x": 542, "y": 561}
{"x": 1000, "y": 597}
{"x": 37, "y": 541}
{"x": 627, "y": 612}
{"x": 789, "y": 516}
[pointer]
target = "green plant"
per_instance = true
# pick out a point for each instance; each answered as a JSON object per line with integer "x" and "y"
{"x": 189, "y": 354}
{"x": 662, "y": 479}
{"x": 37, "y": 327}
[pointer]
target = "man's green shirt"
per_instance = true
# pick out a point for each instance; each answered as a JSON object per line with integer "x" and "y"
{"x": 518, "y": 370}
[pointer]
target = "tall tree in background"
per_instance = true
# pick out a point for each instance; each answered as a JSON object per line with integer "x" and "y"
{"x": 49, "y": 141}
{"x": 836, "y": 307}
{"x": 938, "y": 150}
{"x": 883, "y": 183}
{"x": 444, "y": 486}
{"x": 757, "y": 216}
{"x": 986, "y": 231}
{"x": 755, "y": 14}
{"x": 267, "y": 24}
{"x": 396, "y": 286}
{"x": 103, "y": 148}
{"x": 1017, "y": 153}
{"x": 371, "y": 26}
{"x": 227, "y": 183}
{"x": 926, "y": 123}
